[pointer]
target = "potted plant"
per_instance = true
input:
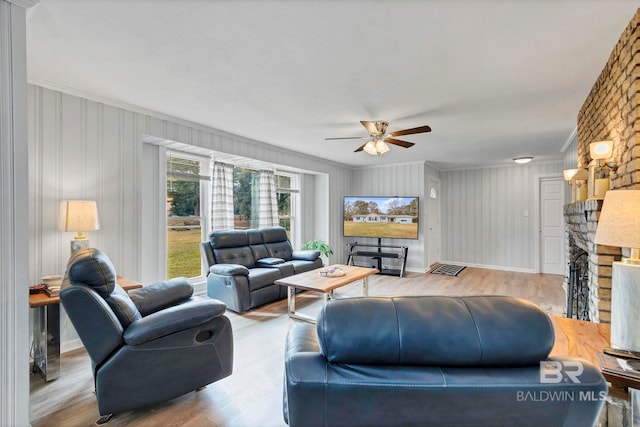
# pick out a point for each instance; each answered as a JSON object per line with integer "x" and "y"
{"x": 321, "y": 246}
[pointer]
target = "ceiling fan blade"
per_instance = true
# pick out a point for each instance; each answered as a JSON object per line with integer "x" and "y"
{"x": 348, "y": 137}
{"x": 375, "y": 128}
{"x": 360, "y": 148}
{"x": 399, "y": 142}
{"x": 420, "y": 129}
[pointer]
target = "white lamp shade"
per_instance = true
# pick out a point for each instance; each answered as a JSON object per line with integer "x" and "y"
{"x": 79, "y": 215}
{"x": 619, "y": 222}
{"x": 601, "y": 150}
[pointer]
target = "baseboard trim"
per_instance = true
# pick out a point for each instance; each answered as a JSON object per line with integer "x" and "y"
{"x": 67, "y": 346}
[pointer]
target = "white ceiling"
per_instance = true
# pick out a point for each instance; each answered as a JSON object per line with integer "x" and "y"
{"x": 494, "y": 79}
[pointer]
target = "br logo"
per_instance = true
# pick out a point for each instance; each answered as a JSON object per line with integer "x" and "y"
{"x": 554, "y": 372}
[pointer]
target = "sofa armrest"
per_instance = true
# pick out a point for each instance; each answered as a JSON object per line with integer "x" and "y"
{"x": 155, "y": 297}
{"x": 269, "y": 262}
{"x": 306, "y": 255}
{"x": 173, "y": 319}
{"x": 229, "y": 269}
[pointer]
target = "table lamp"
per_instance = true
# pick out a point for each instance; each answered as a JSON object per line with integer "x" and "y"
{"x": 619, "y": 225}
{"x": 80, "y": 216}
{"x": 619, "y": 222}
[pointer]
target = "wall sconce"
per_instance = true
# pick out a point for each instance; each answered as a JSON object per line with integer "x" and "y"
{"x": 601, "y": 150}
{"x": 569, "y": 173}
{"x": 598, "y": 174}
{"x": 577, "y": 178}
{"x": 80, "y": 216}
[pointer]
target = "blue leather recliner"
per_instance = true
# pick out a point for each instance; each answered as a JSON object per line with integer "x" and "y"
{"x": 146, "y": 346}
{"x": 435, "y": 361}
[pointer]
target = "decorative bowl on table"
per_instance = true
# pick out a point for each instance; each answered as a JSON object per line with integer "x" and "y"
{"x": 331, "y": 272}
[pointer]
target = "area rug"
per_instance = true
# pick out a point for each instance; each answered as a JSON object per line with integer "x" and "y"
{"x": 448, "y": 269}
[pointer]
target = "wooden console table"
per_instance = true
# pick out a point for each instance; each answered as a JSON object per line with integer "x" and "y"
{"x": 46, "y": 329}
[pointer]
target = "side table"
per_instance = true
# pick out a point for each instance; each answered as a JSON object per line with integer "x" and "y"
{"x": 45, "y": 311}
{"x": 586, "y": 339}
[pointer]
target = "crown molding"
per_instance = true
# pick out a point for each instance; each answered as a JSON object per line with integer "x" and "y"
{"x": 573, "y": 137}
{"x": 26, "y": 4}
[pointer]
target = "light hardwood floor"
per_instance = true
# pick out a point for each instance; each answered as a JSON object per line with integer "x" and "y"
{"x": 252, "y": 395}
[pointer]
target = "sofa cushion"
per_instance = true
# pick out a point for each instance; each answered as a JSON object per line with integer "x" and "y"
{"x": 220, "y": 239}
{"x": 274, "y": 235}
{"x": 279, "y": 250}
{"x": 123, "y": 307}
{"x": 261, "y": 277}
{"x": 241, "y": 255}
{"x": 255, "y": 237}
{"x": 435, "y": 331}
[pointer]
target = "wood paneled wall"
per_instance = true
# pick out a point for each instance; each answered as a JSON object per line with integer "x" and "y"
{"x": 483, "y": 220}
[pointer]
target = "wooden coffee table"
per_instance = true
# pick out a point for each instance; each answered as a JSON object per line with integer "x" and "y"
{"x": 313, "y": 281}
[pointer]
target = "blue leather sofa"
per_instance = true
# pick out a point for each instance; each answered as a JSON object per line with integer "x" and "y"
{"x": 243, "y": 264}
{"x": 146, "y": 346}
{"x": 435, "y": 361}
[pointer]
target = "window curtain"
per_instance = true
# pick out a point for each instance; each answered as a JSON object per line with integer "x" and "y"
{"x": 267, "y": 202}
{"x": 222, "y": 197}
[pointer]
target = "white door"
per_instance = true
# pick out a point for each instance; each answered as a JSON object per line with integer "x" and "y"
{"x": 433, "y": 221}
{"x": 551, "y": 226}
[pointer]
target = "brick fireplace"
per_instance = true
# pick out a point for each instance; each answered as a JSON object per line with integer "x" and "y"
{"x": 610, "y": 112}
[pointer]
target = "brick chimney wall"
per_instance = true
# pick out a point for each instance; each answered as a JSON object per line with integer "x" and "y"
{"x": 610, "y": 112}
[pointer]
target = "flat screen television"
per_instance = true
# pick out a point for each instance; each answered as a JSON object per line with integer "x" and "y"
{"x": 381, "y": 217}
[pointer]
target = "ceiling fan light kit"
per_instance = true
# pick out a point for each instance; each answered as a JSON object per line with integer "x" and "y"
{"x": 378, "y": 140}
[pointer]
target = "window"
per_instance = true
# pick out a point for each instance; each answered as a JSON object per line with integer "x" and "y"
{"x": 287, "y": 193}
{"x": 245, "y": 182}
{"x": 186, "y": 198}
{"x": 245, "y": 193}
{"x": 188, "y": 183}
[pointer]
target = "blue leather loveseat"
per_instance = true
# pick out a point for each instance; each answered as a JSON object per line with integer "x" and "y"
{"x": 243, "y": 264}
{"x": 435, "y": 361}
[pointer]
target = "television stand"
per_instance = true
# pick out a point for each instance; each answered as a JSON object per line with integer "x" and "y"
{"x": 376, "y": 254}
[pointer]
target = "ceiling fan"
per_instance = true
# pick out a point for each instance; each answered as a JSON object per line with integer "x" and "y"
{"x": 379, "y": 138}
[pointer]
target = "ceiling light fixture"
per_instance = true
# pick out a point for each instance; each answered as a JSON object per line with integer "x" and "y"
{"x": 522, "y": 160}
